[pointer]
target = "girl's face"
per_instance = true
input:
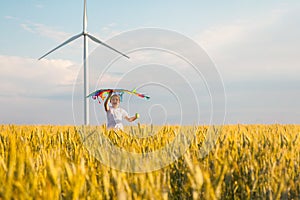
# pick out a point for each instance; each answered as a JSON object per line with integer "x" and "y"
{"x": 115, "y": 101}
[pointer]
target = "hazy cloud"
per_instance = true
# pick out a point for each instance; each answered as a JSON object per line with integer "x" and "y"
{"x": 45, "y": 31}
{"x": 36, "y": 91}
{"x": 29, "y": 77}
{"x": 39, "y": 6}
{"x": 10, "y": 17}
{"x": 265, "y": 46}
{"x": 258, "y": 59}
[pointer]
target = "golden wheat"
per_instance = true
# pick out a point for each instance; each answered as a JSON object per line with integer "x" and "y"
{"x": 247, "y": 162}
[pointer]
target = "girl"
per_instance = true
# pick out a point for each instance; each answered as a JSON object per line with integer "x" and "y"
{"x": 115, "y": 114}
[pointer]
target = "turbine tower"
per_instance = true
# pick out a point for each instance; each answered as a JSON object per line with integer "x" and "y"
{"x": 85, "y": 35}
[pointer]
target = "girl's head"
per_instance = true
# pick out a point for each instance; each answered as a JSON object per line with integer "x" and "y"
{"x": 115, "y": 100}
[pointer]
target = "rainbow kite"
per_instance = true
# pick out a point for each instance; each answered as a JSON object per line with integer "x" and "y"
{"x": 103, "y": 93}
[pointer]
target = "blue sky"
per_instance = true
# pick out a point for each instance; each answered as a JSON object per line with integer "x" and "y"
{"x": 254, "y": 44}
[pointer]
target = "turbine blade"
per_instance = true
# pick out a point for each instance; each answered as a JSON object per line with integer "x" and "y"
{"x": 100, "y": 42}
{"x": 84, "y": 17}
{"x": 66, "y": 42}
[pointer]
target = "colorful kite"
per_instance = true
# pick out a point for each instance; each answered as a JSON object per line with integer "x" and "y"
{"x": 103, "y": 93}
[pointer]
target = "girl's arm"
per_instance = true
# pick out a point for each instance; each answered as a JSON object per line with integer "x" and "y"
{"x": 106, "y": 107}
{"x": 131, "y": 119}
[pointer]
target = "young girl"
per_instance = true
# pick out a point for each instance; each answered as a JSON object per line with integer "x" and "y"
{"x": 115, "y": 114}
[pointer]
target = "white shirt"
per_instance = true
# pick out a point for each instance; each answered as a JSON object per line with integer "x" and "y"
{"x": 115, "y": 117}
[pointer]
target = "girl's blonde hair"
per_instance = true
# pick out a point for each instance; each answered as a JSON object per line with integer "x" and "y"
{"x": 115, "y": 95}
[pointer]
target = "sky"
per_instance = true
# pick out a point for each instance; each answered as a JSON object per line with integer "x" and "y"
{"x": 253, "y": 45}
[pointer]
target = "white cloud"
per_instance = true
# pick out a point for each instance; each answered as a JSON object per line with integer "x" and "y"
{"x": 105, "y": 80}
{"x": 41, "y": 29}
{"x": 262, "y": 47}
{"x": 108, "y": 31}
{"x": 217, "y": 38}
{"x": 35, "y": 91}
{"x": 45, "y": 31}
{"x": 113, "y": 24}
{"x": 30, "y": 77}
{"x": 258, "y": 59}
{"x": 39, "y": 6}
{"x": 27, "y": 28}
{"x": 10, "y": 17}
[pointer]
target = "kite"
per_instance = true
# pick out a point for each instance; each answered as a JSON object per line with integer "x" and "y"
{"x": 103, "y": 93}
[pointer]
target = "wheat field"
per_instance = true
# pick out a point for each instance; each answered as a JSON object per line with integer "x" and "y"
{"x": 247, "y": 162}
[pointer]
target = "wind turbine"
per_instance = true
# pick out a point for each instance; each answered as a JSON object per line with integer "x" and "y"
{"x": 85, "y": 35}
